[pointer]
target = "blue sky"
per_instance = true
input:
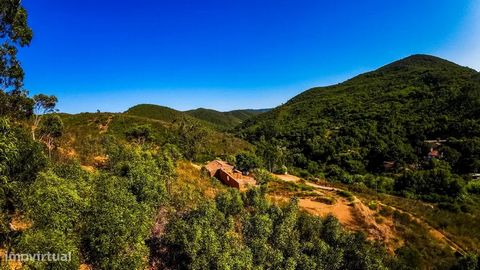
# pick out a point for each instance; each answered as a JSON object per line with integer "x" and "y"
{"x": 110, "y": 55}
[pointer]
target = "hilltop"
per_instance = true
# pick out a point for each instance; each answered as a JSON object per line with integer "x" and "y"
{"x": 198, "y": 140}
{"x": 225, "y": 120}
{"x": 216, "y": 119}
{"x": 383, "y": 115}
{"x": 410, "y": 128}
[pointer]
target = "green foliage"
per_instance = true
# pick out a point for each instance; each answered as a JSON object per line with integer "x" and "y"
{"x": 15, "y": 33}
{"x": 139, "y": 134}
{"x": 378, "y": 123}
{"x": 469, "y": 262}
{"x": 44, "y": 104}
{"x": 431, "y": 184}
{"x": 145, "y": 173}
{"x": 272, "y": 153}
{"x": 109, "y": 239}
{"x": 224, "y": 120}
{"x": 206, "y": 240}
{"x": 346, "y": 194}
{"x": 247, "y": 162}
{"x": 20, "y": 161}
{"x": 51, "y": 126}
{"x": 230, "y": 203}
{"x": 103, "y": 218}
{"x": 473, "y": 187}
{"x": 16, "y": 104}
{"x": 157, "y": 112}
{"x": 54, "y": 242}
{"x": 50, "y": 129}
{"x": 266, "y": 237}
{"x": 196, "y": 141}
{"x": 54, "y": 202}
{"x": 263, "y": 176}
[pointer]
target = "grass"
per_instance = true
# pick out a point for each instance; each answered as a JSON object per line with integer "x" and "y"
{"x": 346, "y": 194}
{"x": 192, "y": 186}
{"x": 84, "y": 134}
{"x": 461, "y": 227}
{"x": 280, "y": 186}
{"x": 325, "y": 200}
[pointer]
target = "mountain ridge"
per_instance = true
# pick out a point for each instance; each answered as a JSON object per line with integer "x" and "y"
{"x": 416, "y": 98}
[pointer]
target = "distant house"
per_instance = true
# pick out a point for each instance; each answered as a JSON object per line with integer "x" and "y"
{"x": 228, "y": 175}
{"x": 434, "y": 148}
{"x": 434, "y": 153}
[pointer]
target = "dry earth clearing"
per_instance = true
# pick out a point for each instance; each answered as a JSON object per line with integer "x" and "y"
{"x": 353, "y": 212}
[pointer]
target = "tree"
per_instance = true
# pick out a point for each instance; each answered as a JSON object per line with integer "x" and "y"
{"x": 20, "y": 160}
{"x": 205, "y": 239}
{"x": 16, "y": 104}
{"x": 263, "y": 176}
{"x": 247, "y": 162}
{"x": 55, "y": 205}
{"x": 230, "y": 202}
{"x": 14, "y": 33}
{"x": 191, "y": 138}
{"x": 271, "y": 152}
{"x": 140, "y": 134}
{"x": 54, "y": 242}
{"x": 117, "y": 227}
{"x": 43, "y": 105}
{"x": 54, "y": 202}
{"x": 51, "y": 129}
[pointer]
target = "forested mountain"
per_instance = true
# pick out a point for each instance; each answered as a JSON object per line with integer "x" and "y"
{"x": 208, "y": 117}
{"x": 385, "y": 121}
{"x": 157, "y": 112}
{"x": 225, "y": 120}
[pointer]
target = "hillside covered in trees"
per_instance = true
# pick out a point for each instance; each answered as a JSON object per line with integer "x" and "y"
{"x": 125, "y": 190}
{"x": 225, "y": 120}
{"x": 416, "y": 119}
{"x": 147, "y": 124}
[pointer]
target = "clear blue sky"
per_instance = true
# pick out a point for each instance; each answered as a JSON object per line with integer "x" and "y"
{"x": 110, "y": 55}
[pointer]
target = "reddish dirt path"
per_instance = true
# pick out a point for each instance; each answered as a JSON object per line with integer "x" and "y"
{"x": 287, "y": 177}
{"x": 354, "y": 215}
{"x": 341, "y": 209}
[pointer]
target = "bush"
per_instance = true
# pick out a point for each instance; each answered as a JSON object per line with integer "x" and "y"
{"x": 246, "y": 162}
{"x": 474, "y": 187}
{"x": 373, "y": 205}
{"x": 263, "y": 176}
{"x": 346, "y": 194}
{"x": 282, "y": 170}
{"x": 325, "y": 200}
{"x": 265, "y": 236}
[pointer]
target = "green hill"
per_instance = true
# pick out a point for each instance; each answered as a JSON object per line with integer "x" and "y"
{"x": 224, "y": 120}
{"x": 157, "y": 112}
{"x": 196, "y": 139}
{"x": 381, "y": 116}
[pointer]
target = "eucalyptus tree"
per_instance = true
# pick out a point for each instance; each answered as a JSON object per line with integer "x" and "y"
{"x": 14, "y": 34}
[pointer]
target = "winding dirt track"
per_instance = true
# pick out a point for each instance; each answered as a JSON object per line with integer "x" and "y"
{"x": 360, "y": 211}
{"x": 437, "y": 234}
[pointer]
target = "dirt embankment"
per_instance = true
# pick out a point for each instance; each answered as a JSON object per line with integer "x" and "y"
{"x": 352, "y": 214}
{"x": 437, "y": 234}
{"x": 356, "y": 216}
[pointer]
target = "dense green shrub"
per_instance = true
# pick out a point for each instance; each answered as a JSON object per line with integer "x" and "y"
{"x": 264, "y": 236}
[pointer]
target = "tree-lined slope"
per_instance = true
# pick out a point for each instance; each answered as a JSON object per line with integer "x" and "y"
{"x": 225, "y": 120}
{"x": 382, "y": 117}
